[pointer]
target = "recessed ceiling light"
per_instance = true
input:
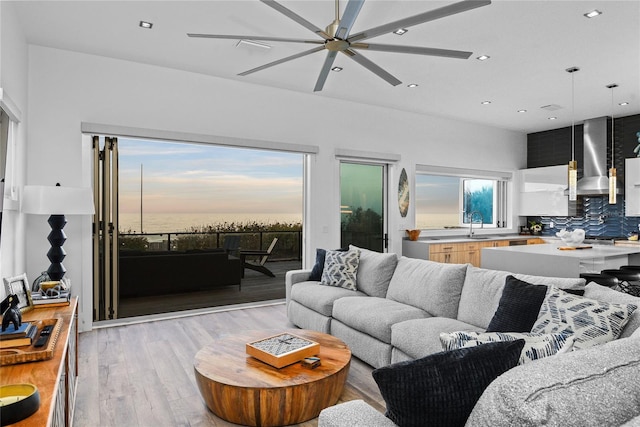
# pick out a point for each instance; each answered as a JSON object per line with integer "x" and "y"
{"x": 483, "y": 57}
{"x": 552, "y": 118}
{"x": 412, "y": 85}
{"x": 145, "y": 24}
{"x": 485, "y": 102}
{"x": 623, "y": 103}
{"x": 336, "y": 69}
{"x": 593, "y": 13}
{"x": 400, "y": 31}
{"x": 522, "y": 111}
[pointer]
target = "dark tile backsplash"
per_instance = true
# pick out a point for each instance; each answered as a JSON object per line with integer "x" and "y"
{"x": 597, "y": 217}
{"x": 594, "y": 214}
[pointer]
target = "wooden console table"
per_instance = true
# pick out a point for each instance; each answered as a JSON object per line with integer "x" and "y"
{"x": 56, "y": 378}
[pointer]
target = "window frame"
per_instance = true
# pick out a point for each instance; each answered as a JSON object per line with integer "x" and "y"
{"x": 501, "y": 194}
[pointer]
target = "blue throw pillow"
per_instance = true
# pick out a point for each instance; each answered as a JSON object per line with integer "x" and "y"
{"x": 442, "y": 389}
{"x": 318, "y": 267}
{"x": 316, "y": 271}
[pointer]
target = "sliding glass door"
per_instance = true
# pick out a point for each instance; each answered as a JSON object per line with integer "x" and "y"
{"x": 363, "y": 205}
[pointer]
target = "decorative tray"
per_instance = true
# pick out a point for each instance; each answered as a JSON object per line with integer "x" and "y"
{"x": 282, "y": 349}
{"x": 24, "y": 354}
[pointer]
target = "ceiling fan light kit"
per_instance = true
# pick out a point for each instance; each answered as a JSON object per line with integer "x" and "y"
{"x": 337, "y": 38}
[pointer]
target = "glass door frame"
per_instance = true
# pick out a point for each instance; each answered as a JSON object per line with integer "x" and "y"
{"x": 385, "y": 195}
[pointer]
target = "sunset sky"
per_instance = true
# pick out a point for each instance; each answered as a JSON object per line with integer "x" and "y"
{"x": 200, "y": 178}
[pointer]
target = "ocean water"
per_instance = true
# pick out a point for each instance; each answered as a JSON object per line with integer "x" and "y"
{"x": 178, "y": 222}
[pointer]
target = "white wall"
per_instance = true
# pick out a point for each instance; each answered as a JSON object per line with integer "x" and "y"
{"x": 13, "y": 81}
{"x": 67, "y": 88}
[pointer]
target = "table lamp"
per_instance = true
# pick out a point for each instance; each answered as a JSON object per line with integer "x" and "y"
{"x": 57, "y": 202}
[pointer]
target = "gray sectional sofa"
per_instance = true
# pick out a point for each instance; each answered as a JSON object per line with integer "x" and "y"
{"x": 401, "y": 306}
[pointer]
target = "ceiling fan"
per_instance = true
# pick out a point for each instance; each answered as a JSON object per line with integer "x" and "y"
{"x": 337, "y": 37}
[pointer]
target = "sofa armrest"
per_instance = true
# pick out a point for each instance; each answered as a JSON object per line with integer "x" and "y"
{"x": 351, "y": 414}
{"x": 292, "y": 277}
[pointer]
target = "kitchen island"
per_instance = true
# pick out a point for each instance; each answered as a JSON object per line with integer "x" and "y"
{"x": 549, "y": 260}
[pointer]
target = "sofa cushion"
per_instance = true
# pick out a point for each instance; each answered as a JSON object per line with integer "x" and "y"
{"x": 374, "y": 316}
{"x": 319, "y": 298}
{"x": 483, "y": 288}
{"x": 353, "y": 413}
{"x": 421, "y": 337}
{"x": 536, "y": 346}
{"x": 431, "y": 286}
{"x": 341, "y": 268}
{"x": 593, "y": 322}
{"x": 374, "y": 271}
{"x": 602, "y": 293}
{"x": 597, "y": 386}
{"x": 442, "y": 389}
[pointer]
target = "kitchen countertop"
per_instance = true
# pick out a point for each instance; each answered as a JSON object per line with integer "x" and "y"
{"x": 548, "y": 260}
{"x": 596, "y": 251}
{"x": 465, "y": 239}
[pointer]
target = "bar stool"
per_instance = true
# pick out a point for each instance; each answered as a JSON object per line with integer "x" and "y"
{"x": 601, "y": 279}
{"x": 626, "y": 279}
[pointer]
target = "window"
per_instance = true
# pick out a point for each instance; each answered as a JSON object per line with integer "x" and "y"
{"x": 446, "y": 201}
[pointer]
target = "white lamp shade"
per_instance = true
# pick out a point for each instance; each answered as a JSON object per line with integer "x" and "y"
{"x": 50, "y": 200}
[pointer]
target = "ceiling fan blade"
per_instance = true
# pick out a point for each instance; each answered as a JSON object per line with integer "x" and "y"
{"x": 280, "y": 61}
{"x": 299, "y": 19}
{"x": 269, "y": 39}
{"x": 431, "y": 15}
{"x": 447, "y": 53}
{"x": 324, "y": 71}
{"x": 360, "y": 59}
{"x": 348, "y": 18}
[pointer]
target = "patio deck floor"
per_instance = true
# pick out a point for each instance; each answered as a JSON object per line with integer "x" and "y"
{"x": 255, "y": 287}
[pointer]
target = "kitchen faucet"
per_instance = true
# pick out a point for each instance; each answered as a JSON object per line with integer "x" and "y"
{"x": 470, "y": 216}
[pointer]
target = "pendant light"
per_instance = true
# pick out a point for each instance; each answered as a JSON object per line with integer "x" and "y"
{"x": 573, "y": 164}
{"x": 613, "y": 178}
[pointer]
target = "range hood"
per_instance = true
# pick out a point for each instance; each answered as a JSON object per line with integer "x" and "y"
{"x": 595, "y": 180}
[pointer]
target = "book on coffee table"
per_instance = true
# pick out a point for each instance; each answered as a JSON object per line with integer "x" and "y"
{"x": 282, "y": 349}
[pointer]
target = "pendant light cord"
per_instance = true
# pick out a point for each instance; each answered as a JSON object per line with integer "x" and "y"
{"x": 612, "y": 124}
{"x": 573, "y": 117}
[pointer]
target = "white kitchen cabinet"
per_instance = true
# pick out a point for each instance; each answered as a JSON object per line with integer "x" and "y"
{"x": 632, "y": 186}
{"x": 541, "y": 191}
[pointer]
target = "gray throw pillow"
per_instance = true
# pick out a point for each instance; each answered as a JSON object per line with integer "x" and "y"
{"x": 374, "y": 271}
{"x": 340, "y": 269}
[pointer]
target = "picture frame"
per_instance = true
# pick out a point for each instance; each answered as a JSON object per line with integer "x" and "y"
{"x": 19, "y": 285}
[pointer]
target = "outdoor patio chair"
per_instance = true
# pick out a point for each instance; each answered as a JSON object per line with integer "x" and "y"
{"x": 261, "y": 258}
{"x": 231, "y": 244}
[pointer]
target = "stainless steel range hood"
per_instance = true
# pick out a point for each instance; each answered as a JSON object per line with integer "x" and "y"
{"x": 595, "y": 181}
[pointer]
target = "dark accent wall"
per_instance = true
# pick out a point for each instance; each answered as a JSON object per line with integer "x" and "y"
{"x": 594, "y": 214}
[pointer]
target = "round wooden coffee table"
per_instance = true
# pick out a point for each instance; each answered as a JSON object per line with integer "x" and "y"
{"x": 243, "y": 390}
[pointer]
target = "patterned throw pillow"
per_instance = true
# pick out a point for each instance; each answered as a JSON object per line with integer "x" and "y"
{"x": 340, "y": 269}
{"x": 593, "y": 322}
{"x": 536, "y": 346}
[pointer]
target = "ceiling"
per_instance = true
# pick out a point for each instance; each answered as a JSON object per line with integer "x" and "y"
{"x": 530, "y": 44}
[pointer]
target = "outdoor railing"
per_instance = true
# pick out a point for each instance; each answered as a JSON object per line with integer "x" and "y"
{"x": 289, "y": 246}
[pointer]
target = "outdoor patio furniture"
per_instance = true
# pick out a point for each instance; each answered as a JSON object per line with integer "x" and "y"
{"x": 261, "y": 257}
{"x": 231, "y": 244}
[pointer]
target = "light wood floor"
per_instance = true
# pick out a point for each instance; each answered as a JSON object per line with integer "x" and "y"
{"x": 142, "y": 374}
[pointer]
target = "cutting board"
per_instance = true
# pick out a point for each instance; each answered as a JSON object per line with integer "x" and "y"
{"x": 573, "y": 248}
